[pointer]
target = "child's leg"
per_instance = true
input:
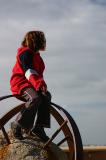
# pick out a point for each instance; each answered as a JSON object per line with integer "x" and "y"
{"x": 43, "y": 114}
{"x": 43, "y": 118}
{"x": 26, "y": 117}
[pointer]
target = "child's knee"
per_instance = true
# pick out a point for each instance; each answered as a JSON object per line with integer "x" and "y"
{"x": 34, "y": 102}
{"x": 48, "y": 96}
{"x": 37, "y": 101}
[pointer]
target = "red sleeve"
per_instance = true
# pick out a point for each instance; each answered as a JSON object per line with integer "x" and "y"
{"x": 37, "y": 82}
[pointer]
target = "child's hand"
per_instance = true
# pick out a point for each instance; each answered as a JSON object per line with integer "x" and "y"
{"x": 44, "y": 90}
{"x": 41, "y": 86}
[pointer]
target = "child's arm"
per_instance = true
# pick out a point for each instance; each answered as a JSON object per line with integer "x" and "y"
{"x": 31, "y": 74}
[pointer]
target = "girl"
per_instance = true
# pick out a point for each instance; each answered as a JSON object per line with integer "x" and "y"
{"x": 28, "y": 82}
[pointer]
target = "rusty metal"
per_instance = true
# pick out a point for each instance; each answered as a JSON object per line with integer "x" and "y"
{"x": 62, "y": 141}
{"x": 5, "y": 135}
{"x": 6, "y": 118}
{"x": 55, "y": 134}
{"x": 71, "y": 133}
{"x": 75, "y": 137}
{"x": 11, "y": 114}
{"x": 7, "y": 96}
{"x": 65, "y": 130}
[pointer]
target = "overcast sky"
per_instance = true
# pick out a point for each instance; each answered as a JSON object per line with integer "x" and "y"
{"x": 75, "y": 55}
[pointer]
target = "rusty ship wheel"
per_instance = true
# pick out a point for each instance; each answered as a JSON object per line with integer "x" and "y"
{"x": 66, "y": 124}
{"x": 70, "y": 130}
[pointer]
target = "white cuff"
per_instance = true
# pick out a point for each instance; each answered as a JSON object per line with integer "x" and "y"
{"x": 29, "y": 72}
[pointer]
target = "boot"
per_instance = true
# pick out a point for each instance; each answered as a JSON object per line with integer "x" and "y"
{"x": 39, "y": 132}
{"x": 16, "y": 130}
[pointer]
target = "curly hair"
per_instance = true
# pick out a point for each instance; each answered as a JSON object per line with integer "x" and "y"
{"x": 35, "y": 40}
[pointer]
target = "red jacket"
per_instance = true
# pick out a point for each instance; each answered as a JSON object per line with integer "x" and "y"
{"x": 25, "y": 76}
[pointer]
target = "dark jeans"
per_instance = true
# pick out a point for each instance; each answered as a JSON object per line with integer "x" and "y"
{"x": 36, "y": 103}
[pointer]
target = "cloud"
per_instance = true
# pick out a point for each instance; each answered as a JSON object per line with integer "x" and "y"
{"x": 34, "y": 9}
{"x": 75, "y": 38}
{"x": 99, "y": 2}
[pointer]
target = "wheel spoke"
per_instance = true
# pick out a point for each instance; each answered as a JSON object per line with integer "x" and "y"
{"x": 63, "y": 140}
{"x": 55, "y": 134}
{"x": 5, "y": 135}
{"x": 71, "y": 133}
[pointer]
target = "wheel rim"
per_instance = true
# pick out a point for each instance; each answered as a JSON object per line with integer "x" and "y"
{"x": 72, "y": 136}
{"x": 74, "y": 141}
